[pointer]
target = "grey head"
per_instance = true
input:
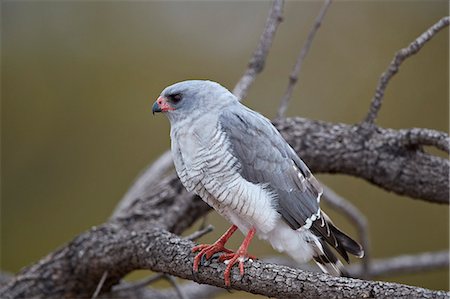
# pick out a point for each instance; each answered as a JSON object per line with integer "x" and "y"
{"x": 193, "y": 98}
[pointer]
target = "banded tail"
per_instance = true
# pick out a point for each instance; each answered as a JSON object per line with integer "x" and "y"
{"x": 329, "y": 235}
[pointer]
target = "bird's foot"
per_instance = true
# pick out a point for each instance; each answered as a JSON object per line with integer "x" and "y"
{"x": 230, "y": 259}
{"x": 207, "y": 251}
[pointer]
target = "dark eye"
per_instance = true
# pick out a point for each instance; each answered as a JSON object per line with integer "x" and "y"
{"x": 175, "y": 98}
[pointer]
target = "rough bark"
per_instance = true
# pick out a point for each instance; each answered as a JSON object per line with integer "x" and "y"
{"x": 390, "y": 159}
{"x": 110, "y": 248}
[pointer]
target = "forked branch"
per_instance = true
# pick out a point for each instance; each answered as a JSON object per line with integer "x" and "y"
{"x": 394, "y": 66}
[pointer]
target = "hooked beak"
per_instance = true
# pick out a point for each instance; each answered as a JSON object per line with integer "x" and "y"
{"x": 156, "y": 108}
{"x": 161, "y": 105}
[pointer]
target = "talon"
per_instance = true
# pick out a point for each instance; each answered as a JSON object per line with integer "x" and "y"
{"x": 203, "y": 260}
{"x": 206, "y": 252}
{"x": 216, "y": 256}
{"x": 230, "y": 258}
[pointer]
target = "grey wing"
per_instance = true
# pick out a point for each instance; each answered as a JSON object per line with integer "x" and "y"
{"x": 266, "y": 158}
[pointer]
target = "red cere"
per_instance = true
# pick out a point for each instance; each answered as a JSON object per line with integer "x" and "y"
{"x": 164, "y": 105}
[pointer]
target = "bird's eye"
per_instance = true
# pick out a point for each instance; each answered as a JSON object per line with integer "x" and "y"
{"x": 175, "y": 98}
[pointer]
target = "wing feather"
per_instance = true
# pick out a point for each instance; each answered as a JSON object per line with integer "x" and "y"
{"x": 266, "y": 158}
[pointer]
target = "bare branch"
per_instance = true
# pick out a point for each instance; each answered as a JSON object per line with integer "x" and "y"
{"x": 200, "y": 233}
{"x": 293, "y": 78}
{"x": 419, "y": 136}
{"x": 100, "y": 285}
{"x": 405, "y": 264}
{"x": 133, "y": 286}
{"x": 256, "y": 64}
{"x": 160, "y": 251}
{"x": 394, "y": 66}
{"x": 382, "y": 267}
{"x": 176, "y": 287}
{"x": 379, "y": 157}
{"x": 357, "y": 218}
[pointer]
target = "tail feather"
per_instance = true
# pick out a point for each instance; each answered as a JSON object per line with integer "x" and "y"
{"x": 350, "y": 245}
{"x": 329, "y": 235}
{"x": 326, "y": 260}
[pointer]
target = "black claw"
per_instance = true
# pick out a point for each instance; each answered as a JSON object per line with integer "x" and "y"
{"x": 203, "y": 260}
{"x": 216, "y": 255}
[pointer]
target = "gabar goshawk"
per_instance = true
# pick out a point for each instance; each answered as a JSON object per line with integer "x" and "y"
{"x": 238, "y": 163}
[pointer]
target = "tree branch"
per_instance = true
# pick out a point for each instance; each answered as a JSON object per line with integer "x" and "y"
{"x": 416, "y": 137}
{"x": 121, "y": 251}
{"x": 293, "y": 78}
{"x": 380, "y": 157}
{"x": 382, "y": 267}
{"x": 404, "y": 264}
{"x": 394, "y": 66}
{"x": 257, "y": 62}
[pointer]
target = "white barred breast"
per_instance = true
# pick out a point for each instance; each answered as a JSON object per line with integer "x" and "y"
{"x": 212, "y": 172}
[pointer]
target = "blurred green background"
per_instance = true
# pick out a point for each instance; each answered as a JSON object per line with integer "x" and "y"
{"x": 79, "y": 79}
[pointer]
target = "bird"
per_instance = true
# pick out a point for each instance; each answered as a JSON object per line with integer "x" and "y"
{"x": 240, "y": 165}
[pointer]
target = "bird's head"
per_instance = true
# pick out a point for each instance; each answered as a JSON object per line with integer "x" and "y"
{"x": 192, "y": 98}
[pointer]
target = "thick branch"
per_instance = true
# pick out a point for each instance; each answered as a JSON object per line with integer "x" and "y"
{"x": 119, "y": 251}
{"x": 256, "y": 64}
{"x": 394, "y": 66}
{"x": 380, "y": 157}
{"x": 382, "y": 267}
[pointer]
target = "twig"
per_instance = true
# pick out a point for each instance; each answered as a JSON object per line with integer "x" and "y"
{"x": 405, "y": 264}
{"x": 293, "y": 78}
{"x": 256, "y": 64}
{"x": 421, "y": 136}
{"x": 100, "y": 285}
{"x": 175, "y": 285}
{"x": 200, "y": 233}
{"x": 394, "y": 66}
{"x": 357, "y": 218}
{"x": 139, "y": 284}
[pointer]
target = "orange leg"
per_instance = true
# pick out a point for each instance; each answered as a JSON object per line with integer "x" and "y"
{"x": 208, "y": 250}
{"x": 239, "y": 256}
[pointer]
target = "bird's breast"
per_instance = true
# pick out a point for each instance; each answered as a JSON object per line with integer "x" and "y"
{"x": 210, "y": 169}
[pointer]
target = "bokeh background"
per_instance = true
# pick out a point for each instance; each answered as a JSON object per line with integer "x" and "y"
{"x": 79, "y": 78}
